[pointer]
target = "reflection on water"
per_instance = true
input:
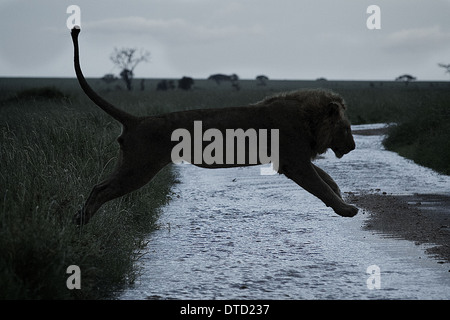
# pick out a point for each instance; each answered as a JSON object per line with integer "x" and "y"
{"x": 234, "y": 234}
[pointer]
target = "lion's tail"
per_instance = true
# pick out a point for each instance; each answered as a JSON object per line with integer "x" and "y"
{"x": 120, "y": 115}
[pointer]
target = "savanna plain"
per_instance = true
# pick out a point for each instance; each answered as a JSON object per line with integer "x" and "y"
{"x": 55, "y": 145}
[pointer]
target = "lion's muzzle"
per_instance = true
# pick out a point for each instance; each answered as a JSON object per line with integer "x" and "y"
{"x": 342, "y": 150}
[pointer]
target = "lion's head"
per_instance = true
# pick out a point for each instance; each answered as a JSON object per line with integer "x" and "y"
{"x": 330, "y": 128}
{"x": 321, "y": 114}
{"x": 341, "y": 138}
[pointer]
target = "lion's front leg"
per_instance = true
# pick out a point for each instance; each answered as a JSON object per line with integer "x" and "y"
{"x": 328, "y": 180}
{"x": 309, "y": 178}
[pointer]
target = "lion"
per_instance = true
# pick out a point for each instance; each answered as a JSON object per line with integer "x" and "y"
{"x": 309, "y": 123}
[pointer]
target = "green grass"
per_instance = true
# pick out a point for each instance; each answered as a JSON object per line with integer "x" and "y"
{"x": 55, "y": 145}
{"x": 51, "y": 154}
{"x": 423, "y": 134}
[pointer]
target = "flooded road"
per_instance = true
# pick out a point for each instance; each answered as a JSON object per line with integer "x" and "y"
{"x": 235, "y": 234}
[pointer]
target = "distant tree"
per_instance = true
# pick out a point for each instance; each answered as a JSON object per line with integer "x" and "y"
{"x": 165, "y": 85}
{"x": 234, "y": 77}
{"x": 127, "y": 77}
{"x": 185, "y": 83}
{"x": 109, "y": 78}
{"x": 406, "y": 78}
{"x": 127, "y": 59}
{"x": 445, "y": 66}
{"x": 219, "y": 78}
{"x": 261, "y": 80}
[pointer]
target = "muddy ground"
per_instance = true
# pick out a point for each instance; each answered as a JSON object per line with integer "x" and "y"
{"x": 422, "y": 218}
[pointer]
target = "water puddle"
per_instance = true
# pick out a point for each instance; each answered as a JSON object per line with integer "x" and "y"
{"x": 234, "y": 234}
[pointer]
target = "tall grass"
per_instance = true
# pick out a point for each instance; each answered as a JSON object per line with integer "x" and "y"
{"x": 51, "y": 154}
{"x": 423, "y": 133}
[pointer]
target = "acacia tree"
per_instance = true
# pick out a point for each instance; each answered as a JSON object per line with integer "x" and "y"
{"x": 445, "y": 66}
{"x": 127, "y": 59}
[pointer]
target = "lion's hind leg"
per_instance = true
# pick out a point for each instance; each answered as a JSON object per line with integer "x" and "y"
{"x": 100, "y": 194}
{"x": 120, "y": 183}
{"x": 310, "y": 179}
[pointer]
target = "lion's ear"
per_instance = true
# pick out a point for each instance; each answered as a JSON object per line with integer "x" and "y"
{"x": 334, "y": 108}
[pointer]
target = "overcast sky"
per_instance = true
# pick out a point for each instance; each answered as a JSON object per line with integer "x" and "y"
{"x": 283, "y": 39}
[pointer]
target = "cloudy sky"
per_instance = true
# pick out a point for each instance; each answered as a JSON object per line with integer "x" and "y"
{"x": 283, "y": 39}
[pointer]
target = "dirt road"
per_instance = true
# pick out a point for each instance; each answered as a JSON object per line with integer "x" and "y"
{"x": 422, "y": 218}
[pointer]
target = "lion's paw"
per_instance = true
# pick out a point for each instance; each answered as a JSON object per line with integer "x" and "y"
{"x": 347, "y": 211}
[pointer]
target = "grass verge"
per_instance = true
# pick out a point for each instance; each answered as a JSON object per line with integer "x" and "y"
{"x": 52, "y": 151}
{"x": 423, "y": 134}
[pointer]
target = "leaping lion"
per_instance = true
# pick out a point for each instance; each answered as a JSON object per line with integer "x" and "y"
{"x": 309, "y": 123}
